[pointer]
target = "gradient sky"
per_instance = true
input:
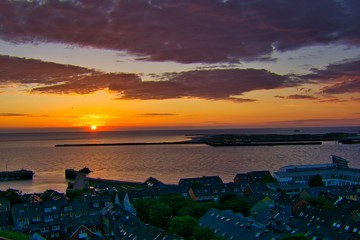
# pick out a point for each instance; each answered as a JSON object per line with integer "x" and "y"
{"x": 156, "y": 64}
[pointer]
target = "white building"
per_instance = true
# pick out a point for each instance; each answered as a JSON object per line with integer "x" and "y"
{"x": 336, "y": 173}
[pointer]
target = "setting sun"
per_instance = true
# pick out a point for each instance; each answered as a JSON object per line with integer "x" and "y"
{"x": 93, "y": 127}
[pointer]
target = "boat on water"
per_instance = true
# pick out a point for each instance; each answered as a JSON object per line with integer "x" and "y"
{"x": 16, "y": 175}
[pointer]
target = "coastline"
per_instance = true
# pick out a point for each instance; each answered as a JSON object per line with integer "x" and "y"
{"x": 223, "y": 140}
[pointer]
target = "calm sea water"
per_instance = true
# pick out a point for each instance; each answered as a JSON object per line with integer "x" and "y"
{"x": 167, "y": 163}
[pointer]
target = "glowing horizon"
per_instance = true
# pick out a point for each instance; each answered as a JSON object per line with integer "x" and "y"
{"x": 178, "y": 65}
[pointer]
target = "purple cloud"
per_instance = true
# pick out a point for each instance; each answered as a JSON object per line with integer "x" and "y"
{"x": 297, "y": 96}
{"x": 206, "y": 84}
{"x": 352, "y": 86}
{"x": 344, "y": 77}
{"x": 226, "y": 84}
{"x": 21, "y": 115}
{"x": 208, "y": 31}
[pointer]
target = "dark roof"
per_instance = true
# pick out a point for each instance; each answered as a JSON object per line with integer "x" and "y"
{"x": 127, "y": 226}
{"x": 327, "y": 223}
{"x": 213, "y": 191}
{"x": 153, "y": 182}
{"x": 253, "y": 177}
{"x": 156, "y": 192}
{"x": 231, "y": 225}
{"x": 205, "y": 180}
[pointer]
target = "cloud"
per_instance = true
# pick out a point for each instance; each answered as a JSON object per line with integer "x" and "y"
{"x": 217, "y": 84}
{"x": 57, "y": 78}
{"x": 157, "y": 114}
{"x": 28, "y": 71}
{"x": 206, "y": 84}
{"x": 208, "y": 31}
{"x": 352, "y": 86}
{"x": 297, "y": 96}
{"x": 342, "y": 77}
{"x": 319, "y": 120}
{"x": 21, "y": 115}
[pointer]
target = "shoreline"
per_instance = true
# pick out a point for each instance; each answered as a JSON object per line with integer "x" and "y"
{"x": 224, "y": 140}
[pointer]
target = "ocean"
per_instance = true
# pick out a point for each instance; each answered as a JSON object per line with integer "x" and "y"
{"x": 167, "y": 163}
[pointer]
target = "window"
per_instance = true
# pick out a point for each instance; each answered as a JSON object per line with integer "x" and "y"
{"x": 44, "y": 229}
{"x": 48, "y": 218}
{"x": 47, "y": 209}
{"x": 67, "y": 208}
{"x": 55, "y": 228}
{"x": 36, "y": 219}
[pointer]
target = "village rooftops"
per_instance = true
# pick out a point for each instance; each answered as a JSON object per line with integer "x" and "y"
{"x": 204, "y": 181}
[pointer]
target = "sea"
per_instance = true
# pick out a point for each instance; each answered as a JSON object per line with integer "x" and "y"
{"x": 167, "y": 163}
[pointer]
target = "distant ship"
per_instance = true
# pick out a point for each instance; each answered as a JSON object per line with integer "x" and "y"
{"x": 16, "y": 175}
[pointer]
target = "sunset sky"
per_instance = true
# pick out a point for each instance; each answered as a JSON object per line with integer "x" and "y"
{"x": 169, "y": 64}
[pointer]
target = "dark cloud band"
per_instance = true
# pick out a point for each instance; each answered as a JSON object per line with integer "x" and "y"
{"x": 206, "y": 31}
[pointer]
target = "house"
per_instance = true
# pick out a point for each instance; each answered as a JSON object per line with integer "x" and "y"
{"x": 254, "y": 177}
{"x": 336, "y": 174}
{"x": 251, "y": 189}
{"x": 229, "y": 225}
{"x": 82, "y": 233}
{"x": 200, "y": 181}
{"x": 155, "y": 192}
{"x": 154, "y": 183}
{"x": 351, "y": 192}
{"x": 289, "y": 188}
{"x": 54, "y": 219}
{"x": 120, "y": 224}
{"x": 327, "y": 223}
{"x": 213, "y": 192}
{"x": 4, "y": 204}
{"x": 6, "y": 223}
{"x": 264, "y": 212}
{"x": 288, "y": 204}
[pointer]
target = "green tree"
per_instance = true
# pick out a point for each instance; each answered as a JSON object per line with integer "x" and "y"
{"x": 13, "y": 235}
{"x": 316, "y": 181}
{"x": 176, "y": 202}
{"x": 234, "y": 203}
{"x": 319, "y": 202}
{"x": 196, "y": 209}
{"x": 160, "y": 215}
{"x": 142, "y": 207}
{"x": 183, "y": 226}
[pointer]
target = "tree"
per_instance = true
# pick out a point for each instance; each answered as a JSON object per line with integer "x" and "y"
{"x": 196, "y": 209}
{"x": 142, "y": 207}
{"x": 160, "y": 215}
{"x": 13, "y": 235}
{"x": 316, "y": 181}
{"x": 176, "y": 202}
{"x": 234, "y": 203}
{"x": 319, "y": 202}
{"x": 183, "y": 226}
